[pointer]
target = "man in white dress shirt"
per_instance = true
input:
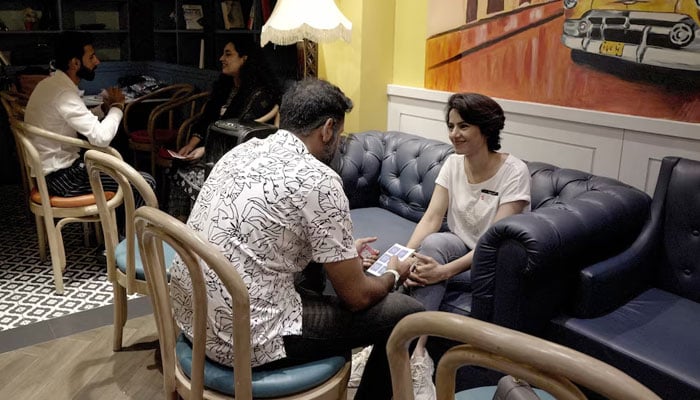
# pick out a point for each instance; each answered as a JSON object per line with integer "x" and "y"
{"x": 56, "y": 105}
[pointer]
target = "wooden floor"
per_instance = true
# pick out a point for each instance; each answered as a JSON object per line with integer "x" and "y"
{"x": 82, "y": 366}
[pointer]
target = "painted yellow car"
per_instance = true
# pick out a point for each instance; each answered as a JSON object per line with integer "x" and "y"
{"x": 664, "y": 33}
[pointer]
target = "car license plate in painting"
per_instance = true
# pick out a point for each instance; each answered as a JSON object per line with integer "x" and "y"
{"x": 612, "y": 48}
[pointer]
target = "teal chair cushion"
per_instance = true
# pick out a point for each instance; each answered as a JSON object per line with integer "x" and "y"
{"x": 266, "y": 384}
{"x": 120, "y": 257}
{"x": 487, "y": 392}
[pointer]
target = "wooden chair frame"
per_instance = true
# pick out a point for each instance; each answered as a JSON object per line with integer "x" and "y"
{"x": 177, "y": 94}
{"x": 127, "y": 177}
{"x": 45, "y": 212}
{"x": 154, "y": 226}
{"x": 549, "y": 366}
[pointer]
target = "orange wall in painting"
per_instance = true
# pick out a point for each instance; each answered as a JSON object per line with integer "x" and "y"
{"x": 518, "y": 55}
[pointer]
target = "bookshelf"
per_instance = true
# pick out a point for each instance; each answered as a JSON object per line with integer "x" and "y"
{"x": 32, "y": 44}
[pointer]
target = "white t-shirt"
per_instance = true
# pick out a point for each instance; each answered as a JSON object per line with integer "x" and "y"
{"x": 472, "y": 207}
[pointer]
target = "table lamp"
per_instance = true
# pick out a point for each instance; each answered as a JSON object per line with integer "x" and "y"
{"x": 306, "y": 22}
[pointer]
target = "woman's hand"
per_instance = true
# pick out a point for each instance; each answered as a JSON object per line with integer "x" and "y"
{"x": 425, "y": 271}
{"x": 368, "y": 254}
{"x": 186, "y": 149}
{"x": 196, "y": 154}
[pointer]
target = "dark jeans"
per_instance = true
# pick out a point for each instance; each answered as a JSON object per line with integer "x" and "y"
{"x": 329, "y": 329}
{"x": 443, "y": 247}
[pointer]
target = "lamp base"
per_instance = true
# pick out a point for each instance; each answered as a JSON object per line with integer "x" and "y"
{"x": 307, "y": 59}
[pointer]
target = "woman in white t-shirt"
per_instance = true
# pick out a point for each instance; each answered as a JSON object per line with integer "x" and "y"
{"x": 476, "y": 187}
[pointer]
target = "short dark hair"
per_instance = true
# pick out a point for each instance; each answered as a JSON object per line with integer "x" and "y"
{"x": 70, "y": 44}
{"x": 309, "y": 103}
{"x": 482, "y": 111}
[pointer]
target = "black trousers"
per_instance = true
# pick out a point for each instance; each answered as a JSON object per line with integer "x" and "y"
{"x": 74, "y": 181}
{"x": 329, "y": 329}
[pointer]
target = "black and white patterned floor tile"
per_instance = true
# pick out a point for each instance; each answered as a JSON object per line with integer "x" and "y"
{"x": 27, "y": 291}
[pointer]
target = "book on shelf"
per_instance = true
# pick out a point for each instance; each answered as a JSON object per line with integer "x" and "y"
{"x": 193, "y": 16}
{"x": 233, "y": 14}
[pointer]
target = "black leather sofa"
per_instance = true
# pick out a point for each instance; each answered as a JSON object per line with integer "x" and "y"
{"x": 640, "y": 310}
{"x": 526, "y": 267}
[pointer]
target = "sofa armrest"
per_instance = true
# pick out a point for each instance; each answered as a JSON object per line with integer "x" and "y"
{"x": 525, "y": 266}
{"x": 608, "y": 284}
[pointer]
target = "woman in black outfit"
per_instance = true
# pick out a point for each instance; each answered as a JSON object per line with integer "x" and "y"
{"x": 246, "y": 90}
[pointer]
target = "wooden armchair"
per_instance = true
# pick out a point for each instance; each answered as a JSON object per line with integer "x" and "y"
{"x": 52, "y": 213}
{"x": 549, "y": 366}
{"x": 161, "y": 125}
{"x": 186, "y": 371}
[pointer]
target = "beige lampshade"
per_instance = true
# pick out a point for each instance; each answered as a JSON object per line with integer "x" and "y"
{"x": 295, "y": 20}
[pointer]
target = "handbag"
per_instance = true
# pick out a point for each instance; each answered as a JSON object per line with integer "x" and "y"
{"x": 225, "y": 134}
{"x": 511, "y": 388}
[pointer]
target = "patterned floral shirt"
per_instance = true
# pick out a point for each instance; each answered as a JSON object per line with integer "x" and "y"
{"x": 271, "y": 208}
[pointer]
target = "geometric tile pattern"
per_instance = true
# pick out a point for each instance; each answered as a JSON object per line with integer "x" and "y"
{"x": 27, "y": 292}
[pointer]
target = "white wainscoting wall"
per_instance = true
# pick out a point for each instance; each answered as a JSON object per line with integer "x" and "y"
{"x": 619, "y": 146}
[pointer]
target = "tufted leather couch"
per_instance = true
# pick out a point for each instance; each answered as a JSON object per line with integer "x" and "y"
{"x": 389, "y": 179}
{"x": 640, "y": 310}
{"x": 526, "y": 266}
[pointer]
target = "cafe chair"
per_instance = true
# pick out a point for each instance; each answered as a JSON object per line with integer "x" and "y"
{"x": 548, "y": 366}
{"x": 194, "y": 107}
{"x": 52, "y": 213}
{"x": 162, "y": 124}
{"x": 14, "y": 105}
{"x": 124, "y": 266}
{"x": 186, "y": 371}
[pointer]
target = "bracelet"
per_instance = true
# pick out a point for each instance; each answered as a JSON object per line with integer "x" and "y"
{"x": 118, "y": 105}
{"x": 397, "y": 278}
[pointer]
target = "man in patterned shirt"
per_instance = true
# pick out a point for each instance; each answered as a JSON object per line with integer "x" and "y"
{"x": 274, "y": 206}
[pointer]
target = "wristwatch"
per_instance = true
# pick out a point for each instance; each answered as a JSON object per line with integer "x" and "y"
{"x": 397, "y": 278}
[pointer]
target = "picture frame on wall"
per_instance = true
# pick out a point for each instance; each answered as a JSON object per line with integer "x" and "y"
{"x": 232, "y": 13}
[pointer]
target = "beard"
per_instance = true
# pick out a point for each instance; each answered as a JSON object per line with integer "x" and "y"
{"x": 331, "y": 149}
{"x": 85, "y": 73}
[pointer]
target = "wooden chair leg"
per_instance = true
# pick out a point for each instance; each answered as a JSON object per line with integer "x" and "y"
{"x": 41, "y": 236}
{"x": 120, "y": 314}
{"x": 86, "y": 234}
{"x": 56, "y": 264}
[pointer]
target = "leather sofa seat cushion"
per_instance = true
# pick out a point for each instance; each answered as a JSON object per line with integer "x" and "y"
{"x": 394, "y": 229}
{"x": 652, "y": 338}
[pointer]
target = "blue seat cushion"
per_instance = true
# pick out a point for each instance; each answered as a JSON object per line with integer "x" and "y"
{"x": 266, "y": 384}
{"x": 389, "y": 228}
{"x": 120, "y": 257}
{"x": 653, "y": 338}
{"x": 487, "y": 392}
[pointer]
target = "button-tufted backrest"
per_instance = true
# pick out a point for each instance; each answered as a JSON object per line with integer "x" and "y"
{"x": 679, "y": 262}
{"x": 552, "y": 185}
{"x": 392, "y": 170}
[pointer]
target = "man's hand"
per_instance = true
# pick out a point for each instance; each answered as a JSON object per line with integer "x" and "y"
{"x": 368, "y": 254}
{"x": 425, "y": 271}
{"x": 112, "y": 96}
{"x": 402, "y": 267}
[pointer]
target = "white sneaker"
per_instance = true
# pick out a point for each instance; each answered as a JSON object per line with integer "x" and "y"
{"x": 422, "y": 369}
{"x": 357, "y": 367}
